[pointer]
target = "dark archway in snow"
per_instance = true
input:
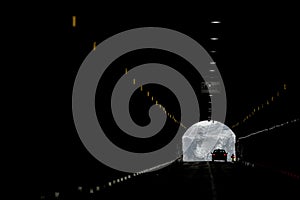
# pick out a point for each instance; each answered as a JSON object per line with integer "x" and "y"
{"x": 203, "y": 137}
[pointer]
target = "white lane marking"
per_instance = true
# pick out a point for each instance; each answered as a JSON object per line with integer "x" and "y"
{"x": 212, "y": 183}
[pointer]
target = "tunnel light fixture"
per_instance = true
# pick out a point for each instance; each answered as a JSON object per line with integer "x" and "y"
{"x": 74, "y": 21}
{"x": 94, "y": 46}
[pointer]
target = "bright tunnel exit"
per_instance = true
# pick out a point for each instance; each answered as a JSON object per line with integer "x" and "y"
{"x": 204, "y": 137}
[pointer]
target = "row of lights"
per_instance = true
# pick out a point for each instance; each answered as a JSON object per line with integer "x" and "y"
{"x": 113, "y": 182}
{"x": 160, "y": 106}
{"x": 212, "y": 63}
{"x": 214, "y": 38}
{"x": 271, "y": 128}
{"x": 119, "y": 180}
{"x": 154, "y": 99}
{"x": 74, "y": 24}
{"x": 260, "y": 107}
{"x": 99, "y": 188}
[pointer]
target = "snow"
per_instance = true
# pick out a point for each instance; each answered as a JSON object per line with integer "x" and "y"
{"x": 203, "y": 137}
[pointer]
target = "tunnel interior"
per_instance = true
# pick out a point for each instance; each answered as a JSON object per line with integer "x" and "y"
{"x": 203, "y": 137}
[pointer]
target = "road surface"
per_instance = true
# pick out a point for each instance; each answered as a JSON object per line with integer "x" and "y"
{"x": 201, "y": 180}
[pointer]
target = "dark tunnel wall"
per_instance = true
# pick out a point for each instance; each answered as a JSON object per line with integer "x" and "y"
{"x": 277, "y": 146}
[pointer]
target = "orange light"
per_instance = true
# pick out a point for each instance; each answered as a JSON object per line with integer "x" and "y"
{"x": 74, "y": 21}
{"x": 94, "y": 46}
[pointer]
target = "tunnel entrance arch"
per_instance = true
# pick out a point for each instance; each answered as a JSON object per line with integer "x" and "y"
{"x": 203, "y": 137}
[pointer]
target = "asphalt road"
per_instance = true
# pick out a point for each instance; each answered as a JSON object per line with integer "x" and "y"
{"x": 200, "y": 180}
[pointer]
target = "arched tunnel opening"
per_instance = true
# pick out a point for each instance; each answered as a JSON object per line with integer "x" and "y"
{"x": 202, "y": 138}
